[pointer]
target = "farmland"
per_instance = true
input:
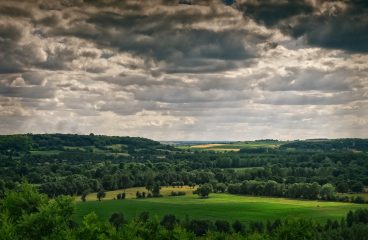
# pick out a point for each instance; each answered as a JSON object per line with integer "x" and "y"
{"x": 235, "y": 146}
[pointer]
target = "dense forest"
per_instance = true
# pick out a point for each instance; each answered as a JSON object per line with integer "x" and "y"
{"x": 66, "y": 164}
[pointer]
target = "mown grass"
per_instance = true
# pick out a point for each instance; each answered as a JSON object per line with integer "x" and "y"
{"x": 219, "y": 206}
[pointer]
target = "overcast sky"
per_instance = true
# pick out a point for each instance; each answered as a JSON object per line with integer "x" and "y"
{"x": 185, "y": 70}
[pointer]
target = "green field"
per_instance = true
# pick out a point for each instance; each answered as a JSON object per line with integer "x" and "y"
{"x": 219, "y": 206}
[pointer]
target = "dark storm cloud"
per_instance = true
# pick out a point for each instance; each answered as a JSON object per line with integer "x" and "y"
{"x": 15, "y": 53}
{"x": 161, "y": 69}
{"x": 270, "y": 13}
{"x": 14, "y": 11}
{"x": 328, "y": 24}
{"x": 158, "y": 30}
{"x": 163, "y": 36}
{"x": 27, "y": 92}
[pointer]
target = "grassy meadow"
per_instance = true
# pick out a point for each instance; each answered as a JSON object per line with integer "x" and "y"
{"x": 217, "y": 206}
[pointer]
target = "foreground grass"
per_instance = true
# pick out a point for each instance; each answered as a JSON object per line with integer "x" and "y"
{"x": 219, "y": 206}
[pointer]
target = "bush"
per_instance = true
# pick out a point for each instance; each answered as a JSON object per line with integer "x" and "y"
{"x": 117, "y": 220}
{"x": 139, "y": 194}
{"x": 358, "y": 199}
{"x": 101, "y": 194}
{"x": 178, "y": 193}
{"x": 200, "y": 227}
{"x": 169, "y": 221}
{"x": 222, "y": 226}
{"x": 204, "y": 190}
{"x": 120, "y": 196}
{"x": 238, "y": 227}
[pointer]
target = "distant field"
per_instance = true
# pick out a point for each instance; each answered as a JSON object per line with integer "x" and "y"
{"x": 219, "y": 206}
{"x": 111, "y": 150}
{"x": 236, "y": 146}
{"x": 130, "y": 192}
{"x": 207, "y": 145}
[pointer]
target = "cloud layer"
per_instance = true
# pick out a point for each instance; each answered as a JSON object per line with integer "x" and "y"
{"x": 185, "y": 70}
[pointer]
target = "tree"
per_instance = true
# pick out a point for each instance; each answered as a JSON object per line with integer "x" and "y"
{"x": 256, "y": 227}
{"x": 297, "y": 229}
{"x": 342, "y": 187}
{"x": 238, "y": 227}
{"x": 120, "y": 196}
{"x": 143, "y": 217}
{"x": 84, "y": 195}
{"x": 117, "y": 220}
{"x": 357, "y": 187}
{"x": 221, "y": 187}
{"x": 200, "y": 227}
{"x": 156, "y": 190}
{"x": 101, "y": 194}
{"x": 222, "y": 226}
{"x": 328, "y": 191}
{"x": 169, "y": 221}
{"x": 23, "y": 200}
{"x": 204, "y": 190}
{"x": 2, "y": 188}
{"x": 27, "y": 214}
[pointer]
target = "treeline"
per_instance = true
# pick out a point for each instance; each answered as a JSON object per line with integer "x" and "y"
{"x": 329, "y": 144}
{"x": 25, "y": 214}
{"x": 73, "y": 179}
{"x": 25, "y": 142}
{"x": 311, "y": 191}
{"x": 72, "y": 164}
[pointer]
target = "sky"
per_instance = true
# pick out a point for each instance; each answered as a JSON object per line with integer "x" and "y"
{"x": 185, "y": 69}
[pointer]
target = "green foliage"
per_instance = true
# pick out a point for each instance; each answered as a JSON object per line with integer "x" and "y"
{"x": 204, "y": 190}
{"x": 92, "y": 228}
{"x": 15, "y": 143}
{"x": 223, "y": 226}
{"x": 169, "y": 221}
{"x": 26, "y": 213}
{"x": 52, "y": 219}
{"x": 23, "y": 200}
{"x": 101, "y": 194}
{"x": 328, "y": 191}
{"x": 238, "y": 227}
{"x": 117, "y": 220}
{"x": 296, "y": 230}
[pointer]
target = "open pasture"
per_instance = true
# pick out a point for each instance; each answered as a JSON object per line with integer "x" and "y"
{"x": 219, "y": 206}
